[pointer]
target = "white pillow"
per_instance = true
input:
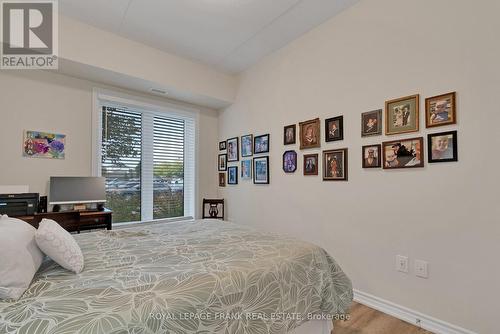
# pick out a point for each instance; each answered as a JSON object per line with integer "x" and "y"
{"x": 59, "y": 245}
{"x": 20, "y": 257}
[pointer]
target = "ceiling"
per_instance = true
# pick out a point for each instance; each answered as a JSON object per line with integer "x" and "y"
{"x": 230, "y": 35}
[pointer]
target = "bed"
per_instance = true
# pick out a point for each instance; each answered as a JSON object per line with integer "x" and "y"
{"x": 187, "y": 277}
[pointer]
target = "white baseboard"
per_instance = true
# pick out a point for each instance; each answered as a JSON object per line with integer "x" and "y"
{"x": 413, "y": 317}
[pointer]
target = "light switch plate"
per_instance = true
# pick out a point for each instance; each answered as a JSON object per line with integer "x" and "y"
{"x": 402, "y": 263}
{"x": 422, "y": 268}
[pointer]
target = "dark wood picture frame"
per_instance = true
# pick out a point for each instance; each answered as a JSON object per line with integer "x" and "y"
{"x": 315, "y": 125}
{"x": 378, "y": 117}
{"x": 340, "y": 129}
{"x": 453, "y": 110}
{"x": 235, "y": 139}
{"x": 251, "y": 146}
{"x": 286, "y": 168}
{"x": 345, "y": 164}
{"x": 255, "y": 160}
{"x": 364, "y": 159}
{"x": 229, "y": 171}
{"x": 222, "y": 179}
{"x": 392, "y": 143}
{"x": 223, "y": 169}
{"x": 222, "y": 146}
{"x": 260, "y": 151}
{"x": 315, "y": 171}
{"x": 454, "y": 149}
{"x": 293, "y": 140}
{"x": 388, "y": 118}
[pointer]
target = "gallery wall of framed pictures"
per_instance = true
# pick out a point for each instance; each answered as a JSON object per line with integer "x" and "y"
{"x": 401, "y": 117}
{"x": 254, "y": 164}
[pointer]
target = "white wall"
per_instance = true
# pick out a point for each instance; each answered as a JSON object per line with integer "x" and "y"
{"x": 448, "y": 213}
{"x": 45, "y": 101}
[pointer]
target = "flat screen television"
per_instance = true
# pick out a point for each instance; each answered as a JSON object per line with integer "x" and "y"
{"x": 77, "y": 190}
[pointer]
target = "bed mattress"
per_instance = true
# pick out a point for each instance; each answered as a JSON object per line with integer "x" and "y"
{"x": 188, "y": 277}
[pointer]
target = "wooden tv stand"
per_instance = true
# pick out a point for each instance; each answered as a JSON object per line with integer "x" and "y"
{"x": 74, "y": 221}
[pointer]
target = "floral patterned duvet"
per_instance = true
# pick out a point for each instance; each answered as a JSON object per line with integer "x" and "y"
{"x": 187, "y": 277}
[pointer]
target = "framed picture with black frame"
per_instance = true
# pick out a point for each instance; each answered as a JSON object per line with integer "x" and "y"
{"x": 232, "y": 175}
{"x": 261, "y": 170}
{"x": 261, "y": 144}
{"x": 233, "y": 151}
{"x": 442, "y": 147}
{"x": 290, "y": 134}
{"x": 334, "y": 128}
{"x": 222, "y": 162}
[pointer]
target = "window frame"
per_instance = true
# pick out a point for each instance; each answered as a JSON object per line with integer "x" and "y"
{"x": 105, "y": 97}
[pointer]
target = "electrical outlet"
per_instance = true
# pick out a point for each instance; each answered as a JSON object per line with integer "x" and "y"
{"x": 421, "y": 268}
{"x": 402, "y": 263}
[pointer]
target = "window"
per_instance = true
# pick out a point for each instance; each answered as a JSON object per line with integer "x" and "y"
{"x": 147, "y": 157}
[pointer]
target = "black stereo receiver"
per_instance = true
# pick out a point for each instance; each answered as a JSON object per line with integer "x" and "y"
{"x": 14, "y": 205}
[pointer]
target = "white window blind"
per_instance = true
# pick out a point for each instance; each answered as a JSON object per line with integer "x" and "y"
{"x": 148, "y": 159}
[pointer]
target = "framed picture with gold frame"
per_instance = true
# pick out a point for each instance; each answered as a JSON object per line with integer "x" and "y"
{"x": 440, "y": 110}
{"x": 310, "y": 134}
{"x": 402, "y": 115}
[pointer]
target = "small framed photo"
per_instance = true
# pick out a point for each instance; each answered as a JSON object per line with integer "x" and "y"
{"x": 334, "y": 128}
{"x": 440, "y": 110}
{"x": 247, "y": 146}
{"x": 401, "y": 115}
{"x": 310, "y": 134}
{"x": 261, "y": 144}
{"x": 222, "y": 162}
{"x": 246, "y": 169}
{"x": 290, "y": 134}
{"x": 222, "y": 179}
{"x": 335, "y": 165}
{"x": 442, "y": 147}
{"x": 261, "y": 170}
{"x": 290, "y": 161}
{"x": 232, "y": 175}
{"x": 233, "y": 150}
{"x": 371, "y": 123}
{"x": 311, "y": 164}
{"x": 372, "y": 156}
{"x": 404, "y": 153}
{"x": 222, "y": 146}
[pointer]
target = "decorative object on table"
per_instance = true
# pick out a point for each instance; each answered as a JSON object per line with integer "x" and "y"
{"x": 261, "y": 144}
{"x": 371, "y": 123}
{"x": 401, "y": 115}
{"x": 213, "y": 209}
{"x": 247, "y": 146}
{"x": 372, "y": 156}
{"x": 311, "y": 162}
{"x": 404, "y": 153}
{"x": 261, "y": 170}
{"x": 44, "y": 145}
{"x": 310, "y": 134}
{"x": 440, "y": 110}
{"x": 233, "y": 152}
{"x": 222, "y": 179}
{"x": 222, "y": 146}
{"x": 290, "y": 134}
{"x": 289, "y": 161}
{"x": 334, "y": 129}
{"x": 246, "y": 169}
{"x": 222, "y": 162}
{"x": 232, "y": 175}
{"x": 442, "y": 147}
{"x": 335, "y": 165}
